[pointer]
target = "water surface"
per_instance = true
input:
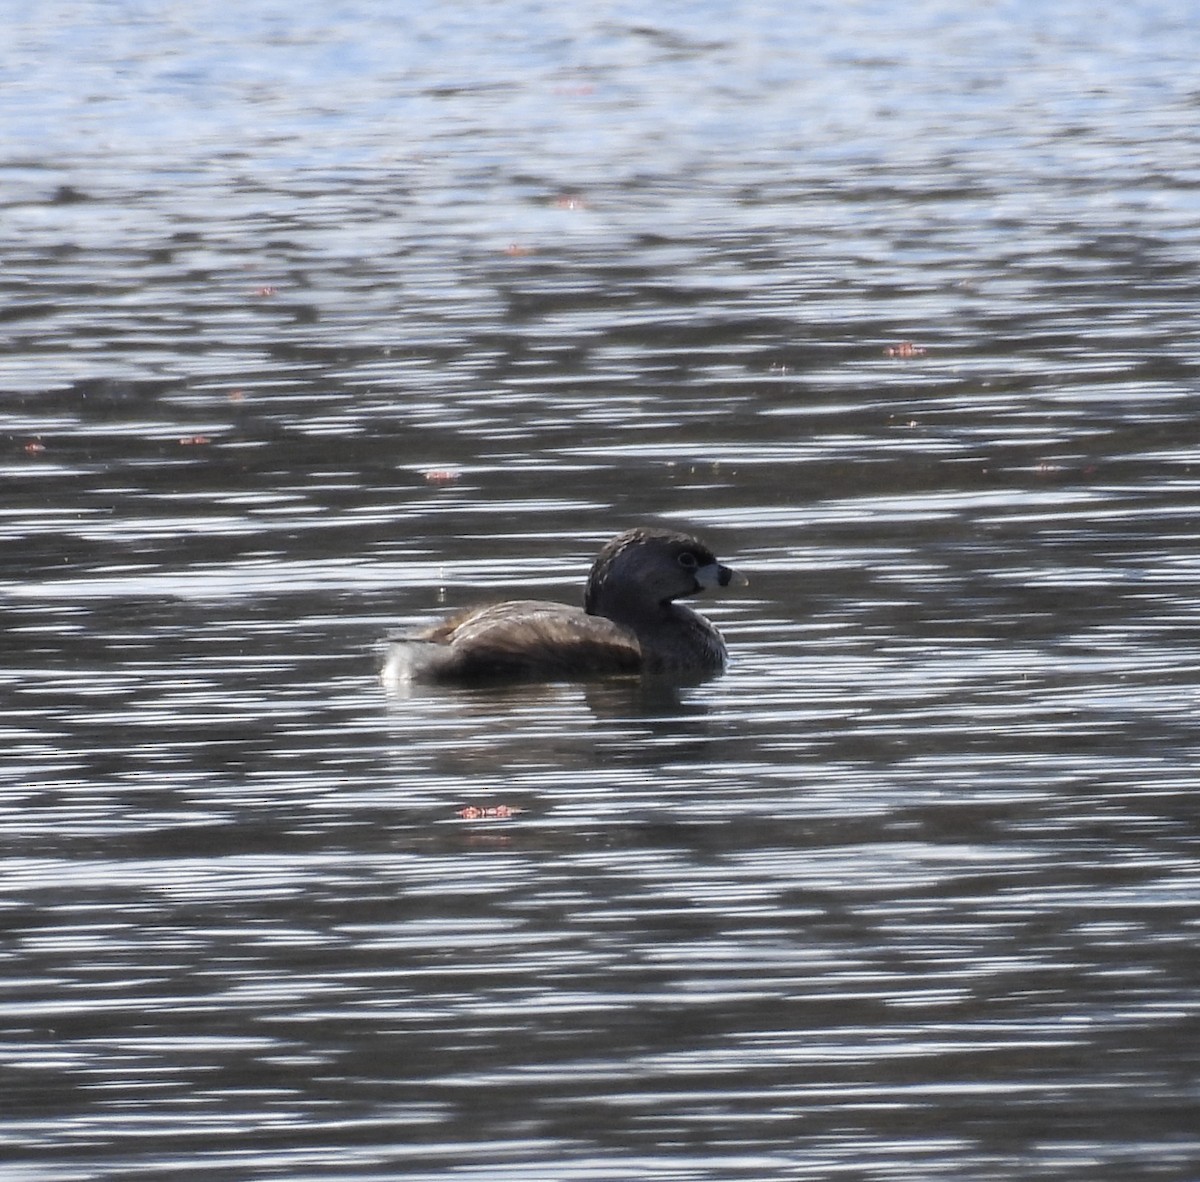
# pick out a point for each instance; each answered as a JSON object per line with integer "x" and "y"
{"x": 319, "y": 324}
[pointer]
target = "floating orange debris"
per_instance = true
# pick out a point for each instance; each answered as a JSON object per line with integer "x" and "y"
{"x": 194, "y": 440}
{"x": 905, "y": 349}
{"x": 515, "y": 250}
{"x": 34, "y": 447}
{"x": 266, "y": 291}
{"x": 498, "y": 812}
{"x": 441, "y": 476}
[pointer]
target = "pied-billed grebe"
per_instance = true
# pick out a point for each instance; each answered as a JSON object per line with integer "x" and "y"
{"x": 629, "y": 623}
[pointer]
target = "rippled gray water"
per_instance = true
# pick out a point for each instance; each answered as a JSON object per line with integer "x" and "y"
{"x": 315, "y": 325}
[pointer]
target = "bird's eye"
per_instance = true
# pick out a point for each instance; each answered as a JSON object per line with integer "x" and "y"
{"x": 688, "y": 560}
